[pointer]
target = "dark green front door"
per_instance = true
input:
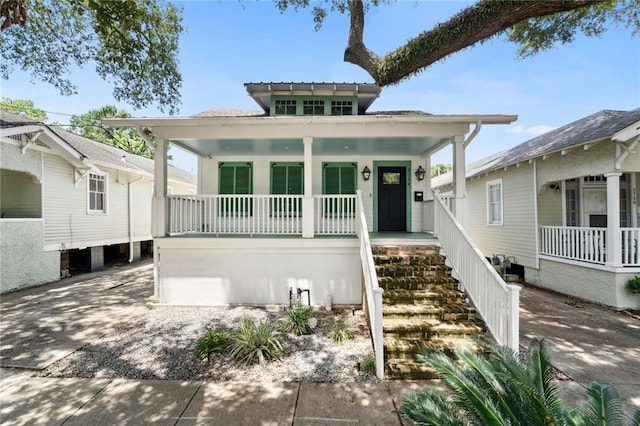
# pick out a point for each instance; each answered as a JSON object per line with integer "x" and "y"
{"x": 392, "y": 199}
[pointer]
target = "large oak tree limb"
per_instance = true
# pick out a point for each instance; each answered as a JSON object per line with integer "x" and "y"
{"x": 472, "y": 25}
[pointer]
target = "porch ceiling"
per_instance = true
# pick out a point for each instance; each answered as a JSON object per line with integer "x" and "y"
{"x": 321, "y": 146}
{"x": 283, "y": 135}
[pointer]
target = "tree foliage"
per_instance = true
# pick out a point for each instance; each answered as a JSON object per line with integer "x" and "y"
{"x": 440, "y": 169}
{"x": 476, "y": 23}
{"x": 133, "y": 44}
{"x": 23, "y": 107}
{"x": 90, "y": 126}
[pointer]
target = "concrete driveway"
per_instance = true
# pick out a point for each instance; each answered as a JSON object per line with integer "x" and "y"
{"x": 587, "y": 342}
{"x": 43, "y": 324}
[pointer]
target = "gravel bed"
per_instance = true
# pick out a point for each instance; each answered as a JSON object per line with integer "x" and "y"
{"x": 160, "y": 344}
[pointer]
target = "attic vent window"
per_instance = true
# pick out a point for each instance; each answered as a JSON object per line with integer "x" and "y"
{"x": 313, "y": 107}
{"x": 286, "y": 107}
{"x": 341, "y": 107}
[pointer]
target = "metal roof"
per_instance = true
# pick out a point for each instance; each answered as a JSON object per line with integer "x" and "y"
{"x": 262, "y": 92}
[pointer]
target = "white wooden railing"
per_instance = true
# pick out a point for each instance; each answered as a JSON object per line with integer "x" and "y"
{"x": 588, "y": 244}
{"x": 630, "y": 246}
{"x": 334, "y": 214}
{"x": 496, "y": 301}
{"x": 260, "y": 214}
{"x": 372, "y": 291}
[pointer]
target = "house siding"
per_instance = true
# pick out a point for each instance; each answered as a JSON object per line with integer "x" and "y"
{"x": 12, "y": 158}
{"x": 517, "y": 235}
{"x": 208, "y": 169}
{"x": 65, "y": 208}
{"x": 20, "y": 195}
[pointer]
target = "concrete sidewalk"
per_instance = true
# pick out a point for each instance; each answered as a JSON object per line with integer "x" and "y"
{"x": 41, "y": 325}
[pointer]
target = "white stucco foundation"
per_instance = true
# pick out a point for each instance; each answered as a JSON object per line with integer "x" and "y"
{"x": 23, "y": 262}
{"x": 219, "y": 271}
{"x": 595, "y": 284}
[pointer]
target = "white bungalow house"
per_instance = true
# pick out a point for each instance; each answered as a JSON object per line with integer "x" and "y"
{"x": 68, "y": 202}
{"x": 292, "y": 197}
{"x": 564, "y": 206}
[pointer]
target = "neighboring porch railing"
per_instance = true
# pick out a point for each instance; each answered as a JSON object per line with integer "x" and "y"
{"x": 496, "y": 301}
{"x": 260, "y": 214}
{"x": 372, "y": 291}
{"x": 588, "y": 244}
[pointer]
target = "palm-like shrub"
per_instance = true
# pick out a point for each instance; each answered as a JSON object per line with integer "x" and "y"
{"x": 255, "y": 342}
{"x": 368, "y": 364}
{"x": 296, "y": 320}
{"x": 503, "y": 388}
{"x": 339, "y": 331}
{"x": 213, "y": 341}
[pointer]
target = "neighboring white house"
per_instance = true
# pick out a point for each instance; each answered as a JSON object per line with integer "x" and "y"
{"x": 67, "y": 201}
{"x": 565, "y": 205}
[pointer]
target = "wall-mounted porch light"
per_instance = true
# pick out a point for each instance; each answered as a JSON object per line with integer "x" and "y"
{"x": 366, "y": 173}
{"x": 420, "y": 172}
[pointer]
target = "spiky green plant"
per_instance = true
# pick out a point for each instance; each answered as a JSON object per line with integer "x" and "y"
{"x": 368, "y": 364}
{"x": 255, "y": 342}
{"x": 296, "y": 320}
{"x": 503, "y": 388}
{"x": 212, "y": 341}
{"x": 339, "y": 331}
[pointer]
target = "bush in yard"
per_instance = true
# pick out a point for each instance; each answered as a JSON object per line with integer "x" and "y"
{"x": 213, "y": 341}
{"x": 296, "y": 320}
{"x": 504, "y": 388}
{"x": 633, "y": 285}
{"x": 255, "y": 342}
{"x": 340, "y": 331}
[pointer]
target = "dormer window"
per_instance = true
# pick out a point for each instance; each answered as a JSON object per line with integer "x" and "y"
{"x": 286, "y": 107}
{"x": 313, "y": 107}
{"x": 341, "y": 107}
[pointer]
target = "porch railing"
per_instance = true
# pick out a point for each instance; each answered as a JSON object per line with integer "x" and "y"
{"x": 588, "y": 244}
{"x": 372, "y": 291}
{"x": 496, "y": 301}
{"x": 260, "y": 214}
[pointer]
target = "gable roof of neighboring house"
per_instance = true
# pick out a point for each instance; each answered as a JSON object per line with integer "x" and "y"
{"x": 98, "y": 153}
{"x": 596, "y": 127}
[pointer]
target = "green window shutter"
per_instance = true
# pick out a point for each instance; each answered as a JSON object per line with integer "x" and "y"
{"x": 235, "y": 178}
{"x": 339, "y": 178}
{"x": 287, "y": 179}
{"x": 348, "y": 179}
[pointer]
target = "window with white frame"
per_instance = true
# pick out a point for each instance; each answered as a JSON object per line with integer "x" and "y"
{"x": 494, "y": 202}
{"x": 97, "y": 186}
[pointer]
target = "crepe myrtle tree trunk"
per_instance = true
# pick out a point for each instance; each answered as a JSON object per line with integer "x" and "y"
{"x": 472, "y": 25}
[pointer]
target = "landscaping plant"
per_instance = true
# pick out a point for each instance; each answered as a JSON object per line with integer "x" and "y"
{"x": 368, "y": 364}
{"x": 505, "y": 388}
{"x": 296, "y": 320}
{"x": 213, "y": 341}
{"x": 633, "y": 285}
{"x": 255, "y": 342}
{"x": 340, "y": 331}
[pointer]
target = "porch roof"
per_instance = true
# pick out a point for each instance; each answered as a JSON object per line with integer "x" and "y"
{"x": 374, "y": 134}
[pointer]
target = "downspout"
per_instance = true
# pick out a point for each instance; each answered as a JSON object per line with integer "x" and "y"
{"x": 131, "y": 217}
{"x": 473, "y": 134}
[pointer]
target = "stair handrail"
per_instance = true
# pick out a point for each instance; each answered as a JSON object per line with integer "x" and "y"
{"x": 373, "y": 292}
{"x": 496, "y": 301}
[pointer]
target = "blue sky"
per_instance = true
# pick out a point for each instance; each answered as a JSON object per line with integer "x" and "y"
{"x": 229, "y": 43}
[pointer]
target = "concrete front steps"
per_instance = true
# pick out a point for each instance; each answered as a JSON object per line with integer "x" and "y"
{"x": 422, "y": 307}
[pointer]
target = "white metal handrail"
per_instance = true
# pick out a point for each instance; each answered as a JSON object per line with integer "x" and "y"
{"x": 373, "y": 292}
{"x": 496, "y": 301}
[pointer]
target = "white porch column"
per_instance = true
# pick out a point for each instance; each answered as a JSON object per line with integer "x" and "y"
{"x": 459, "y": 181}
{"x": 614, "y": 243}
{"x": 159, "y": 206}
{"x": 307, "y": 200}
{"x": 427, "y": 204}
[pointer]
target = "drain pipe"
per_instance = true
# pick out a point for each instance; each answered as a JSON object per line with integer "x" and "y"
{"x": 473, "y": 134}
{"x": 131, "y": 217}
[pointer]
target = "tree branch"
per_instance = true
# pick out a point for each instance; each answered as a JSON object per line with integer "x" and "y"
{"x": 356, "y": 51}
{"x": 472, "y": 25}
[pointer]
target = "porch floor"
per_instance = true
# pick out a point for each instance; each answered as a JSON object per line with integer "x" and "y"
{"x": 377, "y": 238}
